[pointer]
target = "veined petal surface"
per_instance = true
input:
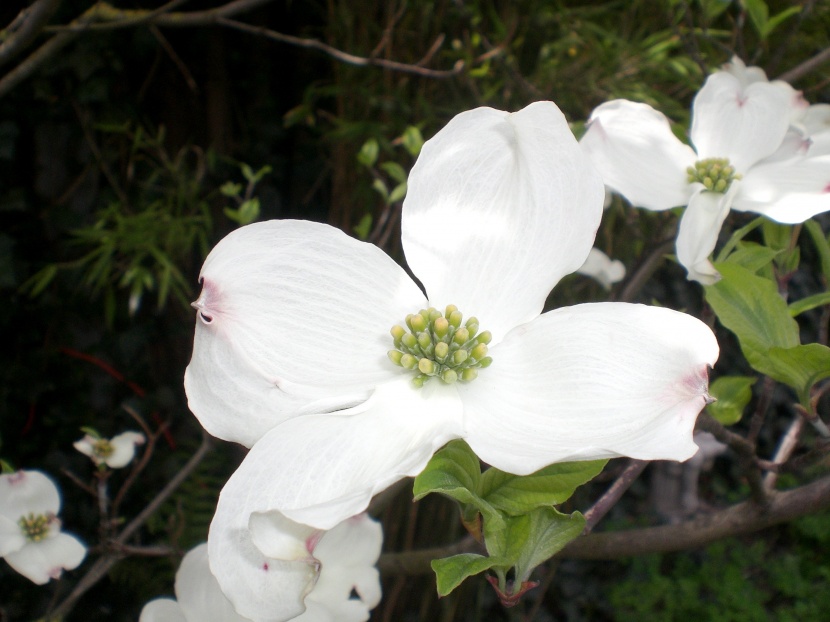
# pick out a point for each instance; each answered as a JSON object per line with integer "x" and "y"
{"x": 635, "y": 151}
{"x": 742, "y": 123}
{"x": 500, "y": 207}
{"x": 592, "y": 381}
{"x": 293, "y": 318}
{"x": 788, "y": 192}
{"x": 698, "y": 232}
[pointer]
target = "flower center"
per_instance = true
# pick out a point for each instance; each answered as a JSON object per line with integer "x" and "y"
{"x": 35, "y": 527}
{"x": 438, "y": 346}
{"x": 716, "y": 174}
{"x": 102, "y": 448}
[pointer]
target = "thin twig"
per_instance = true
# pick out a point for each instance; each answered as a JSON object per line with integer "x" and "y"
{"x": 102, "y": 565}
{"x": 612, "y": 495}
{"x": 808, "y": 66}
{"x": 32, "y": 19}
{"x": 340, "y": 55}
{"x": 785, "y": 449}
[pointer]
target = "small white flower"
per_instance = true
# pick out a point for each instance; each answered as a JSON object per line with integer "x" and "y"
{"x": 305, "y": 576}
{"x": 30, "y": 531}
{"x": 747, "y": 156}
{"x": 116, "y": 452}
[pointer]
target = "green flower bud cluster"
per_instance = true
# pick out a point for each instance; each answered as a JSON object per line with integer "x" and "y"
{"x": 438, "y": 346}
{"x": 102, "y": 448}
{"x": 35, "y": 527}
{"x": 716, "y": 174}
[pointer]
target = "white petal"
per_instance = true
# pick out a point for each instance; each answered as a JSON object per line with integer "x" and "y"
{"x": 698, "y": 233}
{"x": 47, "y": 559}
{"x": 788, "y": 192}
{"x": 259, "y": 587}
{"x": 294, "y": 318}
{"x": 499, "y": 207}
{"x": 11, "y": 536}
{"x": 318, "y": 471}
{"x": 745, "y": 75}
{"x": 348, "y": 554}
{"x": 85, "y": 446}
{"x": 743, "y": 124}
{"x": 637, "y": 154}
{"x": 198, "y": 592}
{"x": 124, "y": 449}
{"x": 162, "y": 610}
{"x": 28, "y": 492}
{"x": 592, "y": 381}
{"x": 601, "y": 267}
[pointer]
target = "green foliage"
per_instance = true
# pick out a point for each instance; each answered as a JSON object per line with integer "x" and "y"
{"x": 733, "y": 581}
{"x": 732, "y": 393}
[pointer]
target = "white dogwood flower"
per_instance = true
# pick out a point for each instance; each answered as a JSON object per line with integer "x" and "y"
{"x": 602, "y": 268}
{"x": 293, "y": 353}
{"x": 307, "y": 576}
{"x": 31, "y": 540}
{"x": 747, "y": 156}
{"x": 115, "y": 453}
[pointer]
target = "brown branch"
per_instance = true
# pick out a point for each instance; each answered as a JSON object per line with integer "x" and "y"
{"x": 345, "y": 57}
{"x": 32, "y": 19}
{"x": 744, "y": 450}
{"x": 808, "y": 66}
{"x": 612, "y": 495}
{"x": 742, "y": 518}
{"x": 739, "y": 519}
{"x": 644, "y": 272}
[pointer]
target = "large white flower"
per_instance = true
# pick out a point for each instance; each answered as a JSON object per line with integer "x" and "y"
{"x": 30, "y": 530}
{"x": 307, "y": 576}
{"x": 293, "y": 329}
{"x": 115, "y": 453}
{"x": 747, "y": 157}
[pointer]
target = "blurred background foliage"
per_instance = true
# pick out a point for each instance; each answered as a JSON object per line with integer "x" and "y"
{"x": 128, "y": 152}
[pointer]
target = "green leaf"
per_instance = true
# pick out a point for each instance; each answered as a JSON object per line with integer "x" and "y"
{"x": 398, "y": 193}
{"x": 776, "y": 235}
{"x": 395, "y": 171}
{"x": 248, "y": 212}
{"x": 753, "y": 256}
{"x": 776, "y": 20}
{"x": 751, "y": 307}
{"x": 739, "y": 235}
{"x": 451, "y": 571}
{"x": 810, "y": 302}
{"x": 733, "y": 394}
{"x": 800, "y": 367}
{"x": 552, "y": 485}
{"x": 455, "y": 472}
{"x": 364, "y": 227}
{"x": 821, "y": 244}
{"x": 549, "y": 532}
{"x": 368, "y": 153}
{"x": 412, "y": 140}
{"x": 381, "y": 189}
{"x": 758, "y": 14}
{"x": 230, "y": 189}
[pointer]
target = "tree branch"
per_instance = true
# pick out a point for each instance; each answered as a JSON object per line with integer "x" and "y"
{"x": 32, "y": 20}
{"x": 738, "y": 519}
{"x": 806, "y": 67}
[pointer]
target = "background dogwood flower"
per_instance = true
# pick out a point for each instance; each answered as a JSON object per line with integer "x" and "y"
{"x": 31, "y": 540}
{"x": 290, "y": 352}
{"x": 307, "y": 576}
{"x": 744, "y": 147}
{"x": 602, "y": 268}
{"x": 116, "y": 452}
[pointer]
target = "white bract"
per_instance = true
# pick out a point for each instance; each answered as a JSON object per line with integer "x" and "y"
{"x": 308, "y": 576}
{"x": 31, "y": 540}
{"x": 602, "y": 268}
{"x": 293, "y": 330}
{"x": 751, "y": 153}
{"x": 116, "y": 452}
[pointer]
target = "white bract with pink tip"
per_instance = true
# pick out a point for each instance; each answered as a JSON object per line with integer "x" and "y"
{"x": 292, "y": 349}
